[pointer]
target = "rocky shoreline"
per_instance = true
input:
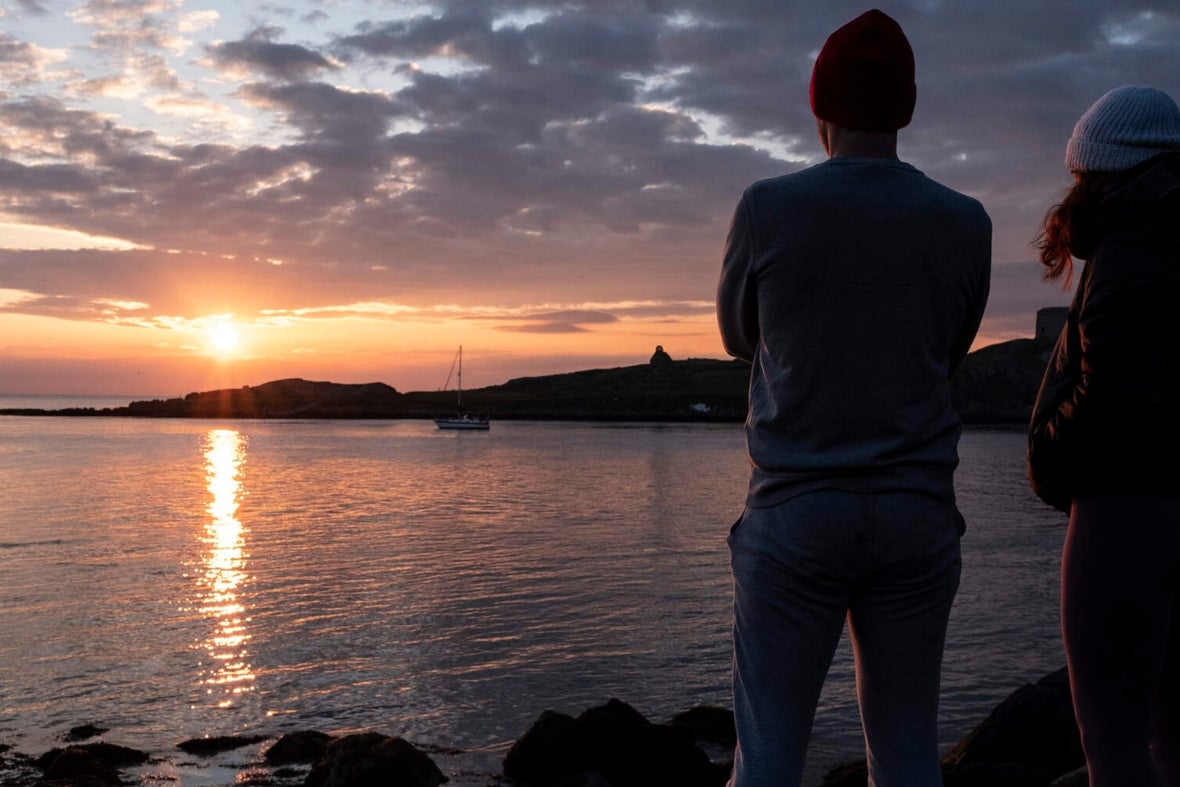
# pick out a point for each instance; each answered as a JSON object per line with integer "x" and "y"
{"x": 1029, "y": 740}
{"x": 995, "y": 385}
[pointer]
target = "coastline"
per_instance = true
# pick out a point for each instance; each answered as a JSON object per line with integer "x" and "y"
{"x": 995, "y": 385}
{"x": 1028, "y": 738}
{"x": 237, "y": 765}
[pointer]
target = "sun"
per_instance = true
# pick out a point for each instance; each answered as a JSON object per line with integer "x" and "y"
{"x": 223, "y": 335}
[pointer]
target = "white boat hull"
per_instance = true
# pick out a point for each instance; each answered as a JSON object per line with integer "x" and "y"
{"x": 462, "y": 420}
{"x": 462, "y": 423}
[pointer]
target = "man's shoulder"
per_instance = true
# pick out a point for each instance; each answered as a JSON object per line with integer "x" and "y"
{"x": 798, "y": 179}
{"x": 809, "y": 183}
{"x": 951, "y": 195}
{"x": 849, "y": 179}
{"x": 949, "y": 201}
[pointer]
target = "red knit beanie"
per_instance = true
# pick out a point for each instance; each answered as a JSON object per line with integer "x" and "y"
{"x": 864, "y": 76}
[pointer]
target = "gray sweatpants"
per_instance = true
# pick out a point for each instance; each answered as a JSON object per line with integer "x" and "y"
{"x": 890, "y": 563}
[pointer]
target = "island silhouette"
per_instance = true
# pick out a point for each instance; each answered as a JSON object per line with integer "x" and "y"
{"x": 996, "y": 385}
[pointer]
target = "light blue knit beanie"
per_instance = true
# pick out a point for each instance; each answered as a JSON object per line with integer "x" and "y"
{"x": 1125, "y": 127}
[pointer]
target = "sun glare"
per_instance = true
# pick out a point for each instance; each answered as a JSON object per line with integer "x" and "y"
{"x": 223, "y": 335}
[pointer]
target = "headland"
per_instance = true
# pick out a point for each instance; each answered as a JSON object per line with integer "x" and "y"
{"x": 995, "y": 385}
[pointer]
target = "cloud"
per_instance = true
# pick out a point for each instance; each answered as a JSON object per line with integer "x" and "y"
{"x": 502, "y": 155}
{"x": 32, "y": 7}
{"x": 259, "y": 53}
{"x": 137, "y": 39}
{"x": 465, "y": 32}
{"x": 198, "y": 20}
{"x": 560, "y": 322}
{"x": 198, "y": 109}
{"x": 130, "y": 28}
{"x": 23, "y": 64}
{"x": 51, "y": 178}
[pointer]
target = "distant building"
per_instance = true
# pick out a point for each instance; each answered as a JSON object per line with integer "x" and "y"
{"x": 1050, "y": 321}
{"x": 660, "y": 358}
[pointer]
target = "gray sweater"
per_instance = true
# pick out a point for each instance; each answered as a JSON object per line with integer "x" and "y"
{"x": 854, "y": 288}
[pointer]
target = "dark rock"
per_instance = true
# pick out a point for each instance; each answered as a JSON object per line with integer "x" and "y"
{"x": 667, "y": 755}
{"x": 1028, "y": 740}
{"x": 551, "y": 747}
{"x": 119, "y": 756}
{"x": 998, "y": 384}
{"x": 74, "y": 781}
{"x": 302, "y": 746}
{"x": 614, "y": 741}
{"x": 850, "y": 774}
{"x": 206, "y": 747}
{"x": 109, "y": 753}
{"x": 708, "y": 723}
{"x": 1004, "y": 774}
{"x": 74, "y": 764}
{"x": 611, "y": 725}
{"x": 1075, "y": 778}
{"x": 856, "y": 774}
{"x": 370, "y": 759}
{"x": 581, "y": 779}
{"x": 84, "y": 732}
{"x": 1033, "y": 727}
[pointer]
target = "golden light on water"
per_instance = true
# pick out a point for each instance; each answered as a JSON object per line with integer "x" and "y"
{"x": 228, "y": 673}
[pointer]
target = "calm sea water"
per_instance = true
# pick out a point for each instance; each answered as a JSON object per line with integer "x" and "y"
{"x": 176, "y": 578}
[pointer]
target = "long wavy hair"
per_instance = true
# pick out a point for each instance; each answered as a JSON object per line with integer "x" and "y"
{"x": 1071, "y": 227}
{"x": 1075, "y": 226}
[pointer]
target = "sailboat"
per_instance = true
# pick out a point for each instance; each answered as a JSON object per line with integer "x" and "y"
{"x": 461, "y": 420}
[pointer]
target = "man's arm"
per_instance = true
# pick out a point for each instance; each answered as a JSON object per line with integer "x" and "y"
{"x": 737, "y": 301}
{"x": 976, "y": 307}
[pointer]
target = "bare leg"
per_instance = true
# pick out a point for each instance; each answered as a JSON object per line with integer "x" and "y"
{"x": 1119, "y": 575}
{"x": 1165, "y": 739}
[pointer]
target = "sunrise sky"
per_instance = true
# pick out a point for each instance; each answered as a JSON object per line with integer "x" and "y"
{"x": 198, "y": 194}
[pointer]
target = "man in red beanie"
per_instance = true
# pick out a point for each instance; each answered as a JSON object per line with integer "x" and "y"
{"x": 854, "y": 288}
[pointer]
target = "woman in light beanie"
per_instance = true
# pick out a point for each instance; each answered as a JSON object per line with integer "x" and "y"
{"x": 1104, "y": 439}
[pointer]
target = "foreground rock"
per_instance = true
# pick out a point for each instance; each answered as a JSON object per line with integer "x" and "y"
{"x": 1028, "y": 740}
{"x": 370, "y": 759}
{"x": 88, "y": 764}
{"x": 610, "y": 745}
{"x": 302, "y": 746}
{"x": 207, "y": 747}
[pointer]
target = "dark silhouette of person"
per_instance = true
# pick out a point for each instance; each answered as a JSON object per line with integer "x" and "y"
{"x": 1105, "y": 429}
{"x": 854, "y": 288}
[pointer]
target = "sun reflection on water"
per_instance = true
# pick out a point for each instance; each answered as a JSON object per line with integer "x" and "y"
{"x": 227, "y": 674}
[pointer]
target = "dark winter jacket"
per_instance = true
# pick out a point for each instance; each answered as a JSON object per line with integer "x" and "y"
{"x": 1106, "y": 422}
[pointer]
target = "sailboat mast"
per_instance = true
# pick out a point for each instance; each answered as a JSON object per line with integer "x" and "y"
{"x": 460, "y": 420}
